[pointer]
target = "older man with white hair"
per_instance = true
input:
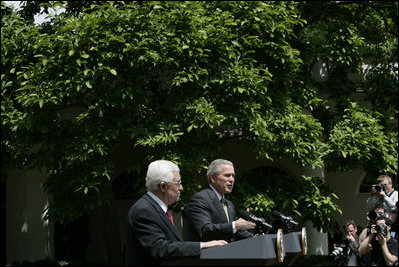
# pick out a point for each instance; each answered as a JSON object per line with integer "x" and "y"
{"x": 152, "y": 239}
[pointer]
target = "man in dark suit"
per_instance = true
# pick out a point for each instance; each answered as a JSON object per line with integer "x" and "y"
{"x": 210, "y": 215}
{"x": 152, "y": 239}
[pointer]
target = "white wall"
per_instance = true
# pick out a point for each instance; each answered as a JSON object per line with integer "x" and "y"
{"x": 353, "y": 204}
{"x": 29, "y": 237}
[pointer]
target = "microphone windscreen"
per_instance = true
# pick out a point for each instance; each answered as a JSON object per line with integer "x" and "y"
{"x": 245, "y": 214}
{"x": 275, "y": 213}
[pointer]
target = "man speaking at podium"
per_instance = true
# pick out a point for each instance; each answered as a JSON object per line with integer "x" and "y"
{"x": 210, "y": 215}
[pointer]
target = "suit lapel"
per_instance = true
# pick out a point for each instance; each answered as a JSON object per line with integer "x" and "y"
{"x": 163, "y": 217}
{"x": 218, "y": 205}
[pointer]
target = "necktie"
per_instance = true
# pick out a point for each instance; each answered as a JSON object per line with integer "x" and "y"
{"x": 170, "y": 216}
{"x": 225, "y": 208}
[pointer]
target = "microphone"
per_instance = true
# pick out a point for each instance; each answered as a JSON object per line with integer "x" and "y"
{"x": 260, "y": 222}
{"x": 285, "y": 219}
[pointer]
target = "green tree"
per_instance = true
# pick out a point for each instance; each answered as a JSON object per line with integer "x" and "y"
{"x": 359, "y": 114}
{"x": 175, "y": 77}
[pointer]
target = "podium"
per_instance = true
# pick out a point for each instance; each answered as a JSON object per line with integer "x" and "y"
{"x": 263, "y": 250}
{"x": 255, "y": 251}
{"x": 295, "y": 245}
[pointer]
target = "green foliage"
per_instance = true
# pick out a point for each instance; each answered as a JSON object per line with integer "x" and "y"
{"x": 179, "y": 78}
{"x": 290, "y": 132}
{"x": 317, "y": 204}
{"x": 360, "y": 140}
{"x": 307, "y": 198}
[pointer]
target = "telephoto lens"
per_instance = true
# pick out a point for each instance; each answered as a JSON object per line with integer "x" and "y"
{"x": 372, "y": 215}
{"x": 338, "y": 251}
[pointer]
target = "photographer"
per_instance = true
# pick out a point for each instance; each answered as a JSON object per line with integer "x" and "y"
{"x": 383, "y": 193}
{"x": 353, "y": 240}
{"x": 377, "y": 211}
{"x": 381, "y": 249}
{"x": 347, "y": 253}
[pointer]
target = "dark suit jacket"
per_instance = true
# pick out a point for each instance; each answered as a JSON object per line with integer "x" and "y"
{"x": 151, "y": 238}
{"x": 207, "y": 220}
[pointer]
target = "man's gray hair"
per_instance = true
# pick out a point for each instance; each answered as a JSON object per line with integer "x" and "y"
{"x": 384, "y": 177}
{"x": 159, "y": 171}
{"x": 214, "y": 167}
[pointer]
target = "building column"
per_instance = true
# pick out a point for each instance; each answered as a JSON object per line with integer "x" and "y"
{"x": 317, "y": 240}
{"x": 29, "y": 236}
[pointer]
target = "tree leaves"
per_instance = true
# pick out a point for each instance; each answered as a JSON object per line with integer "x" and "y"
{"x": 181, "y": 78}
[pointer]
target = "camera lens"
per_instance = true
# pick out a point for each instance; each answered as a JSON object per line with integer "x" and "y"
{"x": 372, "y": 215}
{"x": 381, "y": 229}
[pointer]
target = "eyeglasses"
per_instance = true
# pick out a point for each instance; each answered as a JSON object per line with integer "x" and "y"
{"x": 178, "y": 183}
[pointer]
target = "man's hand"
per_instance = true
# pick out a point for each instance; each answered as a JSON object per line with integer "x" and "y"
{"x": 380, "y": 193}
{"x": 213, "y": 243}
{"x": 350, "y": 238}
{"x": 242, "y": 224}
{"x": 372, "y": 230}
{"x": 382, "y": 240}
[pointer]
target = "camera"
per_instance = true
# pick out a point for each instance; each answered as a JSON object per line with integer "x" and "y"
{"x": 381, "y": 229}
{"x": 380, "y": 187}
{"x": 340, "y": 254}
{"x": 373, "y": 215}
{"x": 338, "y": 251}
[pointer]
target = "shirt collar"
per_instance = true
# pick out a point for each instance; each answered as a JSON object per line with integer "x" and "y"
{"x": 158, "y": 200}
{"x": 217, "y": 193}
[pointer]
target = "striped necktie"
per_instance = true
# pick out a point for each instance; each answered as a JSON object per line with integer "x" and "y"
{"x": 223, "y": 201}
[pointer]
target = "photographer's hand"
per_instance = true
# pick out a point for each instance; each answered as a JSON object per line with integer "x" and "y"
{"x": 350, "y": 238}
{"x": 372, "y": 230}
{"x": 373, "y": 191}
{"x": 382, "y": 240}
{"x": 381, "y": 194}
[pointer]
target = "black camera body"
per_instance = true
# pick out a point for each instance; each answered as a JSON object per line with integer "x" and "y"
{"x": 381, "y": 229}
{"x": 380, "y": 187}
